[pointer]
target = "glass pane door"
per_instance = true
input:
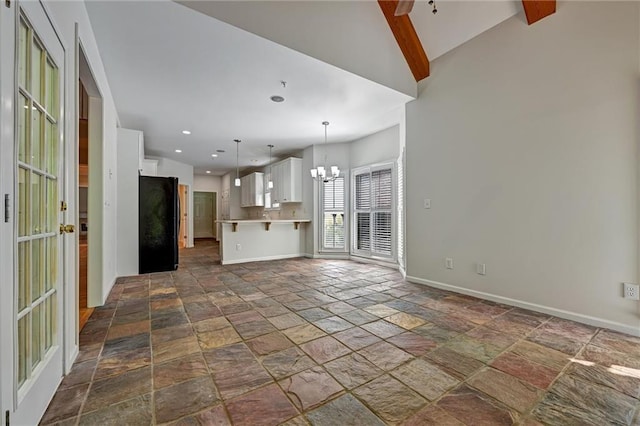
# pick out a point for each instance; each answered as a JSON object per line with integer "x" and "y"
{"x": 38, "y": 206}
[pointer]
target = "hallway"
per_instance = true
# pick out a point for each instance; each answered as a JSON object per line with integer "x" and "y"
{"x": 328, "y": 342}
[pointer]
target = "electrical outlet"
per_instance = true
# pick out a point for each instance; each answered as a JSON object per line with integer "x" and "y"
{"x": 448, "y": 263}
{"x": 481, "y": 268}
{"x": 238, "y": 247}
{"x": 631, "y": 291}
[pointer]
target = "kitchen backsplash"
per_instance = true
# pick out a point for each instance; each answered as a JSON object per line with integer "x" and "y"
{"x": 287, "y": 211}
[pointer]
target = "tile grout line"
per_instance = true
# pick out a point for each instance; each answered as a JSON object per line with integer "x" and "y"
{"x": 332, "y": 287}
{"x": 210, "y": 373}
{"x": 152, "y": 394}
{"x": 95, "y": 369}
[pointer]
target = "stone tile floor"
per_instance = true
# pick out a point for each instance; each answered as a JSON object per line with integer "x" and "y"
{"x": 334, "y": 343}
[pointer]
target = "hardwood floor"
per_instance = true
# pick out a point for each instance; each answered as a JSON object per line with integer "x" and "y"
{"x": 85, "y": 312}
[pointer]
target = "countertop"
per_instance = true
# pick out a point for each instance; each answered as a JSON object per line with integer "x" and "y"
{"x": 263, "y": 220}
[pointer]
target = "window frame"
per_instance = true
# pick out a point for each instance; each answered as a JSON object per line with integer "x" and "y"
{"x": 354, "y": 251}
{"x": 345, "y": 211}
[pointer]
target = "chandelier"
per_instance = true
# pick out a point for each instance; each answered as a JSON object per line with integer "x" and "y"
{"x": 320, "y": 172}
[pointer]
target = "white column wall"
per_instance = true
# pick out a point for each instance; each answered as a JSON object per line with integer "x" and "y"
{"x": 526, "y": 141}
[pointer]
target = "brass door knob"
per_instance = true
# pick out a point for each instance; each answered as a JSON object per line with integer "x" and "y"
{"x": 67, "y": 229}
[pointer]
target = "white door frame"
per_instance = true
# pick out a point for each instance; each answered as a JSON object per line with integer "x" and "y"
{"x": 7, "y": 169}
{"x": 41, "y": 19}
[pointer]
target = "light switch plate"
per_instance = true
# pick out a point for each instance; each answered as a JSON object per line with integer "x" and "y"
{"x": 427, "y": 203}
{"x": 481, "y": 268}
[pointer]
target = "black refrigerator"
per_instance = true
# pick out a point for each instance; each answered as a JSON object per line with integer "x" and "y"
{"x": 159, "y": 223}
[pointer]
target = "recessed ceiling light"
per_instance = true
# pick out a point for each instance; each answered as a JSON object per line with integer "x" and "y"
{"x": 219, "y": 150}
{"x": 277, "y": 98}
{"x": 178, "y": 151}
{"x": 186, "y": 132}
{"x": 208, "y": 171}
{"x": 214, "y": 155}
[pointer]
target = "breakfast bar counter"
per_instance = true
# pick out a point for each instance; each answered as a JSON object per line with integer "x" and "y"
{"x": 251, "y": 240}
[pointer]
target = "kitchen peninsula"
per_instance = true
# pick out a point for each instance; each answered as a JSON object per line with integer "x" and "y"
{"x": 251, "y": 240}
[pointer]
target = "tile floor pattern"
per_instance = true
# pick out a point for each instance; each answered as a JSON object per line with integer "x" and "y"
{"x": 327, "y": 342}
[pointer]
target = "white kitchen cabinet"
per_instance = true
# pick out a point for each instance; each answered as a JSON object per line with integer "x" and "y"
{"x": 287, "y": 181}
{"x": 252, "y": 190}
{"x": 149, "y": 167}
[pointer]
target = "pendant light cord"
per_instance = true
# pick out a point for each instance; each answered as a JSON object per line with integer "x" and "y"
{"x": 237, "y": 141}
{"x": 325, "y": 123}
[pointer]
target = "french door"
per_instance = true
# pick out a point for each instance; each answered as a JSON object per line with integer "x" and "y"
{"x": 35, "y": 351}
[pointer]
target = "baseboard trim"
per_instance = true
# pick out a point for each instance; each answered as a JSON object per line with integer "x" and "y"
{"x": 71, "y": 359}
{"x": 402, "y": 271}
{"x": 333, "y": 256}
{"x": 387, "y": 264}
{"x": 349, "y": 256}
{"x": 106, "y": 294}
{"x": 573, "y": 316}
{"x": 262, "y": 258}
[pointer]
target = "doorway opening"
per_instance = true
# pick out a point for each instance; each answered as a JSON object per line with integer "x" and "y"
{"x": 90, "y": 184}
{"x": 183, "y": 195}
{"x": 84, "y": 312}
{"x": 204, "y": 215}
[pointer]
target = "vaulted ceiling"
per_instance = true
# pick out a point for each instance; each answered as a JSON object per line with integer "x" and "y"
{"x": 396, "y": 12}
{"x": 211, "y": 68}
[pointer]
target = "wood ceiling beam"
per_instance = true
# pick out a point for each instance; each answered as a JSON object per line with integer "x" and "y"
{"x": 407, "y": 38}
{"x": 404, "y": 7}
{"x": 536, "y": 10}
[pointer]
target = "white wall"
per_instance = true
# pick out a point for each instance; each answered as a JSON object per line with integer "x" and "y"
{"x": 525, "y": 140}
{"x": 210, "y": 184}
{"x": 184, "y": 173}
{"x": 207, "y": 183}
{"x": 375, "y": 148}
{"x": 127, "y": 230}
{"x": 309, "y": 197}
{"x": 235, "y": 211}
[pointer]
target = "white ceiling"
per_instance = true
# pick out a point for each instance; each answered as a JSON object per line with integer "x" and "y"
{"x": 458, "y": 21}
{"x": 171, "y": 68}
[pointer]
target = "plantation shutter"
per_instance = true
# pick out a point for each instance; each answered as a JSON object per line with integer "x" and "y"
{"x": 333, "y": 214}
{"x": 374, "y": 212}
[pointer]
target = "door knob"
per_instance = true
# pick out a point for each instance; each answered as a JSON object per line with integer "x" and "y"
{"x": 67, "y": 229}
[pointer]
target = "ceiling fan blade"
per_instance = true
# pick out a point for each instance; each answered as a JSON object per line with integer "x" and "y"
{"x": 404, "y": 7}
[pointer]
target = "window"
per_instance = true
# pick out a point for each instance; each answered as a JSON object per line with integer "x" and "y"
{"x": 333, "y": 215}
{"x": 373, "y": 230}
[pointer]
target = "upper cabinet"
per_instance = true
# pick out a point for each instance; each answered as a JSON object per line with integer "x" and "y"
{"x": 149, "y": 167}
{"x": 252, "y": 190}
{"x": 287, "y": 181}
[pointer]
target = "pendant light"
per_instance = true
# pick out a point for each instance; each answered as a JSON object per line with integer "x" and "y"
{"x": 237, "y": 181}
{"x": 320, "y": 172}
{"x": 270, "y": 183}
